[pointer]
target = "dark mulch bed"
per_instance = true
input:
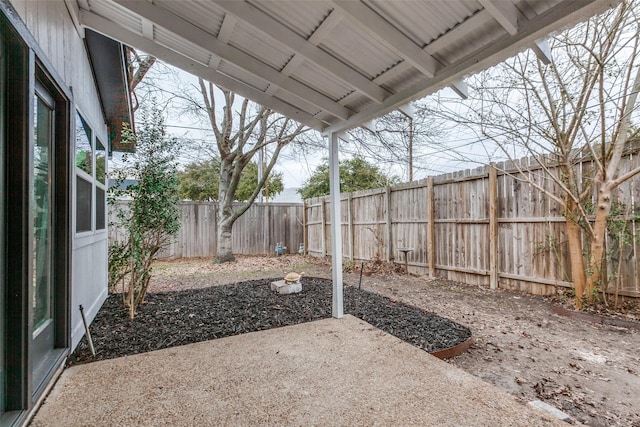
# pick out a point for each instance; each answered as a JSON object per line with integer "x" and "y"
{"x": 183, "y": 317}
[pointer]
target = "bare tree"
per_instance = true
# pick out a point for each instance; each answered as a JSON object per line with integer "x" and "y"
{"x": 580, "y": 105}
{"x": 242, "y": 131}
{"x": 398, "y": 140}
{"x": 138, "y": 67}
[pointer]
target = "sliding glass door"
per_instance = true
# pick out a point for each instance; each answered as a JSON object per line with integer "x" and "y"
{"x": 35, "y": 226}
{"x": 3, "y": 335}
{"x": 42, "y": 196}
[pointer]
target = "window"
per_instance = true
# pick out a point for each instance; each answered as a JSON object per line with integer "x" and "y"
{"x": 42, "y": 197}
{"x": 91, "y": 179}
{"x": 84, "y": 178}
{"x": 84, "y": 157}
{"x": 101, "y": 163}
{"x": 100, "y": 209}
{"x": 101, "y": 181}
{"x": 83, "y": 205}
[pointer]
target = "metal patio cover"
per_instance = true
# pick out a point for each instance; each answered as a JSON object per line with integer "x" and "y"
{"x": 333, "y": 65}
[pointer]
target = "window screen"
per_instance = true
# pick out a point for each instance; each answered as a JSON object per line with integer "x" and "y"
{"x": 100, "y": 209}
{"x": 83, "y": 146}
{"x": 83, "y": 205}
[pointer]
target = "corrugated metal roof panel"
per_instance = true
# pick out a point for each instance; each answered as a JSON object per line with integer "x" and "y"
{"x": 470, "y": 43}
{"x": 303, "y": 17}
{"x": 185, "y": 47}
{"x": 361, "y": 52}
{"x": 324, "y": 117}
{"x": 313, "y": 77}
{"x": 199, "y": 13}
{"x": 402, "y": 80}
{"x": 423, "y": 21}
{"x": 239, "y": 74}
{"x": 260, "y": 46}
{"x": 345, "y": 61}
{"x": 357, "y": 102}
{"x": 532, "y": 8}
{"x": 117, "y": 13}
{"x": 296, "y": 102}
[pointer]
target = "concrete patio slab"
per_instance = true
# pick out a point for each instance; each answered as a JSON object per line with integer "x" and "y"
{"x": 328, "y": 372}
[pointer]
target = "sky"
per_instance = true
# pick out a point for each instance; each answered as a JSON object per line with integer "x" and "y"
{"x": 454, "y": 148}
{"x": 297, "y": 167}
{"x": 195, "y": 133}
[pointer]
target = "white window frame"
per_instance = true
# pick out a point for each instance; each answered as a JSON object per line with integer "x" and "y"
{"x": 90, "y": 178}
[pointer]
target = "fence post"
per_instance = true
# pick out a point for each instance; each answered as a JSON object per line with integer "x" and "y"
{"x": 305, "y": 231}
{"x": 431, "y": 247}
{"x": 493, "y": 227}
{"x": 214, "y": 246}
{"x": 323, "y": 217}
{"x": 350, "y": 225}
{"x": 387, "y": 203}
{"x": 267, "y": 231}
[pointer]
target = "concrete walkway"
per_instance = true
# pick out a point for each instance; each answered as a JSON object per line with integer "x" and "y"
{"x": 328, "y": 372}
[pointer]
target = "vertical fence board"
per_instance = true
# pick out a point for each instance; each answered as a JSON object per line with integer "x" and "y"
{"x": 493, "y": 226}
{"x": 430, "y": 229}
{"x": 256, "y": 232}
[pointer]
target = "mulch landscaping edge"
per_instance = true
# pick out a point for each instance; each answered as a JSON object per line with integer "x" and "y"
{"x": 454, "y": 351}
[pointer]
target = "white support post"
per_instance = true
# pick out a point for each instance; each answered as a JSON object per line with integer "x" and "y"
{"x": 336, "y": 229}
{"x": 260, "y": 164}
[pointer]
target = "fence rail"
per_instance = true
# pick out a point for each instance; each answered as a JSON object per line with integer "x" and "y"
{"x": 256, "y": 232}
{"x": 489, "y": 226}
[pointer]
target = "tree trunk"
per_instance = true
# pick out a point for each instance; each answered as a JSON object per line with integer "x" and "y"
{"x": 225, "y": 213}
{"x": 603, "y": 207}
{"x": 575, "y": 252}
{"x": 223, "y": 250}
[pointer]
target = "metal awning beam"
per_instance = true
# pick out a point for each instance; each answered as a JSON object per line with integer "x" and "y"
{"x": 267, "y": 25}
{"x": 543, "y": 51}
{"x": 164, "y": 18}
{"x": 376, "y": 27}
{"x": 559, "y": 16}
{"x": 117, "y": 32}
{"x": 407, "y": 110}
{"x": 224, "y": 35}
{"x": 316, "y": 38}
{"x": 504, "y": 12}
{"x": 461, "y": 88}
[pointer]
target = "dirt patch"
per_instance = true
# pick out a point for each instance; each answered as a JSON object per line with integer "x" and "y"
{"x": 591, "y": 371}
{"x": 608, "y": 308}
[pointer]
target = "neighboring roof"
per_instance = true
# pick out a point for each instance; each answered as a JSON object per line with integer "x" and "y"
{"x": 109, "y": 65}
{"x": 288, "y": 195}
{"x": 334, "y": 65}
{"x": 123, "y": 185}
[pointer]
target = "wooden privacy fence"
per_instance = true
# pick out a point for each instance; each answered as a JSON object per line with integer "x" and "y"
{"x": 487, "y": 227}
{"x": 256, "y": 232}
